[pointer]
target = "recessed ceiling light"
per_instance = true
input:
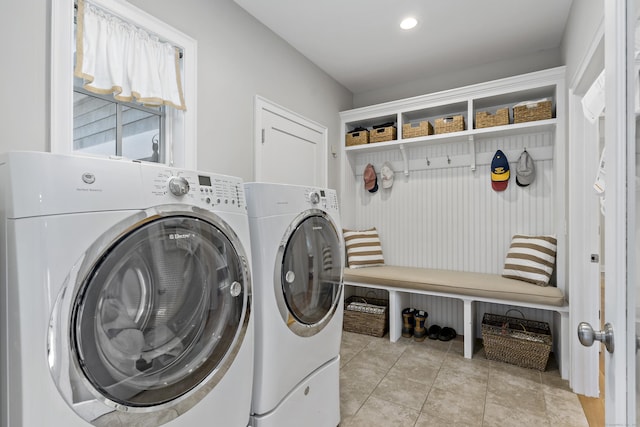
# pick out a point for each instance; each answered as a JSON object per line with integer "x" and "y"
{"x": 408, "y": 23}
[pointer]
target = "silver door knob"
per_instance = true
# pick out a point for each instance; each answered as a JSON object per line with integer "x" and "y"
{"x": 588, "y": 336}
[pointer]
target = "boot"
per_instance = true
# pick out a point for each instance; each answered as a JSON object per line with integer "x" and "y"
{"x": 408, "y": 322}
{"x": 420, "y": 332}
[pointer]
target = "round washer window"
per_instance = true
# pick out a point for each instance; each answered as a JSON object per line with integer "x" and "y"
{"x": 312, "y": 270}
{"x": 159, "y": 311}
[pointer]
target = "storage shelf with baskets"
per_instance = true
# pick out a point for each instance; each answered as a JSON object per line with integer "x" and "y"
{"x": 500, "y": 108}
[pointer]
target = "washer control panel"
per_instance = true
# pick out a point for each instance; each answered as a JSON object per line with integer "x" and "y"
{"x": 202, "y": 189}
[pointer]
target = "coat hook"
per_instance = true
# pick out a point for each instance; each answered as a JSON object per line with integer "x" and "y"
{"x": 448, "y": 159}
{"x": 428, "y": 162}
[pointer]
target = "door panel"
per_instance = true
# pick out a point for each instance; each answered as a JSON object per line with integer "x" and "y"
{"x": 289, "y": 148}
{"x": 619, "y": 221}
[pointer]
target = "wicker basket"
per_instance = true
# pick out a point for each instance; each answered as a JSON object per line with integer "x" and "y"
{"x": 361, "y": 322}
{"x": 413, "y": 130}
{"x": 357, "y": 138}
{"x": 484, "y": 119}
{"x": 382, "y": 134}
{"x": 521, "y": 342}
{"x": 449, "y": 124}
{"x": 532, "y": 111}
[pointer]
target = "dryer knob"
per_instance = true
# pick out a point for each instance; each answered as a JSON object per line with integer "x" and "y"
{"x": 314, "y": 197}
{"x": 178, "y": 186}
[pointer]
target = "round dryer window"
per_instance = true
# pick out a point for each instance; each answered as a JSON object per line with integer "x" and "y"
{"x": 159, "y": 311}
{"x": 310, "y": 273}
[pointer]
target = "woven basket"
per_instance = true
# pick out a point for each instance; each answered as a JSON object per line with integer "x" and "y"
{"x": 382, "y": 134}
{"x": 413, "y": 130}
{"x": 357, "y": 138}
{"x": 449, "y": 124}
{"x": 518, "y": 341}
{"x": 486, "y": 120}
{"x": 366, "y": 323}
{"x": 532, "y": 112}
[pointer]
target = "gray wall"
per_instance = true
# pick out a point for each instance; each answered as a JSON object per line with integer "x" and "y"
{"x": 237, "y": 58}
{"x": 457, "y": 78}
{"x": 585, "y": 19}
{"x": 24, "y": 75}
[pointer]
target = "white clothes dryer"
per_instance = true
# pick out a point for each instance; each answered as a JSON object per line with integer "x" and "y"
{"x": 298, "y": 259}
{"x": 127, "y": 294}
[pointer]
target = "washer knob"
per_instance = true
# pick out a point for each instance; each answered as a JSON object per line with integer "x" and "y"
{"x": 314, "y": 197}
{"x": 178, "y": 186}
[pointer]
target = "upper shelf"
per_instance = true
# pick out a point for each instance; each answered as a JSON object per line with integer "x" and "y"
{"x": 466, "y": 135}
{"x": 467, "y": 102}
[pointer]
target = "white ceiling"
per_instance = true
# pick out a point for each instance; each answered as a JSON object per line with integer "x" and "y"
{"x": 360, "y": 44}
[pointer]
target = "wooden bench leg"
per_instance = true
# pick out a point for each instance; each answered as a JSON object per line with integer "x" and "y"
{"x": 469, "y": 329}
{"x": 397, "y": 302}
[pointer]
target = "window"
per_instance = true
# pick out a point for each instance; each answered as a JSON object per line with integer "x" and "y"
{"x": 85, "y": 123}
{"x": 104, "y": 126}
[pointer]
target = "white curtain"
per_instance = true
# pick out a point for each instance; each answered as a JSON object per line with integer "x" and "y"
{"x": 114, "y": 56}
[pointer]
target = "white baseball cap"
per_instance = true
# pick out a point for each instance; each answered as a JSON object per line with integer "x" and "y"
{"x": 386, "y": 172}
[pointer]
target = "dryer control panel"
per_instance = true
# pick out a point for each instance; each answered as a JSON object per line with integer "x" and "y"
{"x": 203, "y": 189}
{"x": 322, "y": 198}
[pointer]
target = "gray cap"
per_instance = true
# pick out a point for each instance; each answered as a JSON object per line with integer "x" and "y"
{"x": 525, "y": 170}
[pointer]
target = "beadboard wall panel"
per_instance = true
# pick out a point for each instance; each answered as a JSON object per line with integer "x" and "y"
{"x": 450, "y": 217}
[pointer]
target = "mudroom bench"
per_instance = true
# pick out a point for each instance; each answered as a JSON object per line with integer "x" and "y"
{"x": 401, "y": 282}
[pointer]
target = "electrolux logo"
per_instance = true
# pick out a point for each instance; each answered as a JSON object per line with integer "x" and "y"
{"x": 177, "y": 236}
{"x": 88, "y": 178}
{"x": 317, "y": 228}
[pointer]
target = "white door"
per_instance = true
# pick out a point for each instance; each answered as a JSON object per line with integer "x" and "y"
{"x": 289, "y": 148}
{"x": 620, "y": 246}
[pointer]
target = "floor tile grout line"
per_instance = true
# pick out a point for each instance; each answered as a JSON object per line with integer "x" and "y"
{"x": 486, "y": 393}
{"x": 377, "y": 384}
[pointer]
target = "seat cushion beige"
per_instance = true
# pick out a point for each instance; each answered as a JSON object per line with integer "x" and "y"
{"x": 483, "y": 285}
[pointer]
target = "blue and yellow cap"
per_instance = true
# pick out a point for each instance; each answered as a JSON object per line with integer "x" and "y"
{"x": 499, "y": 171}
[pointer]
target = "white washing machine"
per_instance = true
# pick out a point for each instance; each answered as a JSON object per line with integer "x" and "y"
{"x": 126, "y": 294}
{"x": 297, "y": 268}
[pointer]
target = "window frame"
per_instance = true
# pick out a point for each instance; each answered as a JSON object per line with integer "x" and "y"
{"x": 180, "y": 148}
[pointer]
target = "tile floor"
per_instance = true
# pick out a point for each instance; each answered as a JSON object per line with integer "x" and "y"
{"x": 412, "y": 384}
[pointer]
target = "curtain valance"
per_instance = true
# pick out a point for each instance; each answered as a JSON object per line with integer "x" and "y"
{"x": 114, "y": 56}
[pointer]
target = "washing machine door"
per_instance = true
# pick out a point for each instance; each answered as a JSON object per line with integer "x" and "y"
{"x": 153, "y": 313}
{"x": 309, "y": 273}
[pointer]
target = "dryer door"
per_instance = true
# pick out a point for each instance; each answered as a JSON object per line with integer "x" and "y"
{"x": 309, "y": 273}
{"x": 161, "y": 309}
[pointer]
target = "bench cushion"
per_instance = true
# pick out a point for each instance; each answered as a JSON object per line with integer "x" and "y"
{"x": 483, "y": 285}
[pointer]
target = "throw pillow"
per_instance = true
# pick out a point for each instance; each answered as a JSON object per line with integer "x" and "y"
{"x": 363, "y": 248}
{"x": 531, "y": 259}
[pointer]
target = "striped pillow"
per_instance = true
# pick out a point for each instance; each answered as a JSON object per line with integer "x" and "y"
{"x": 531, "y": 259}
{"x": 363, "y": 248}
